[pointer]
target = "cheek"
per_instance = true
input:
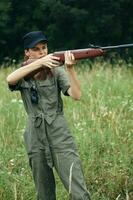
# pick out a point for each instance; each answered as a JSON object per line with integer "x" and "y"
{"x": 46, "y": 51}
{"x": 34, "y": 55}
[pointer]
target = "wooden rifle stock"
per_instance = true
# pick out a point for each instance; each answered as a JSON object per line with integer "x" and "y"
{"x": 78, "y": 54}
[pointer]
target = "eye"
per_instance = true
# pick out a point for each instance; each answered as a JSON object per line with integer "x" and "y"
{"x": 35, "y": 49}
{"x": 39, "y": 48}
{"x": 44, "y": 47}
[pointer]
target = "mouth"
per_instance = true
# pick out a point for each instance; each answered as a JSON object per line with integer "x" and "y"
{"x": 42, "y": 56}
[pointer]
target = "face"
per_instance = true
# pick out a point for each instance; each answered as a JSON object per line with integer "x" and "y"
{"x": 40, "y": 50}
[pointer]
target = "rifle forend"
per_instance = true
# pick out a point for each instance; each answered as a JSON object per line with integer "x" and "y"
{"x": 81, "y": 53}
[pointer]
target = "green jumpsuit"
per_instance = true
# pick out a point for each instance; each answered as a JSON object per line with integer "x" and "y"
{"x": 48, "y": 140}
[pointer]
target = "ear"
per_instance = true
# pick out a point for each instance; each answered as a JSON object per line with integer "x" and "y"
{"x": 27, "y": 53}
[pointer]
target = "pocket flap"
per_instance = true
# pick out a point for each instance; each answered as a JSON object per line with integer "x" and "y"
{"x": 47, "y": 82}
{"x": 25, "y": 85}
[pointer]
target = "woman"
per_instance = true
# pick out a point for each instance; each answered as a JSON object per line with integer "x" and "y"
{"x": 48, "y": 140}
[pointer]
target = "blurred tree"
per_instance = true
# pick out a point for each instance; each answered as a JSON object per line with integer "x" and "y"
{"x": 67, "y": 23}
{"x": 4, "y": 29}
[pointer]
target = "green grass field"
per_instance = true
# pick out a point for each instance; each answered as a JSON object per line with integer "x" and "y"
{"x": 102, "y": 123}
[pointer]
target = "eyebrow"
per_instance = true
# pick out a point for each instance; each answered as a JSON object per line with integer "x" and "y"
{"x": 44, "y": 46}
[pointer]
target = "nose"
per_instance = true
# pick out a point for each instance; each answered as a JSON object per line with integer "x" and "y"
{"x": 41, "y": 51}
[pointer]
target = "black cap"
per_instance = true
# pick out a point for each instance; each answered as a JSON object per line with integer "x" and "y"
{"x": 32, "y": 38}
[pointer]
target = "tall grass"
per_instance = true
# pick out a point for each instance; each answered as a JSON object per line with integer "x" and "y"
{"x": 101, "y": 123}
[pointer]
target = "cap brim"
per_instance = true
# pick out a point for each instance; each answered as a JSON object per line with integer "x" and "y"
{"x": 33, "y": 44}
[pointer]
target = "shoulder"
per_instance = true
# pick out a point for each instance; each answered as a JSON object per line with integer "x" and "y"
{"x": 19, "y": 85}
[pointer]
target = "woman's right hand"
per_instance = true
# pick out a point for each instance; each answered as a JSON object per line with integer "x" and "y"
{"x": 50, "y": 61}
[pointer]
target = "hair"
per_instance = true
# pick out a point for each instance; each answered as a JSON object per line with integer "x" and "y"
{"x": 25, "y": 58}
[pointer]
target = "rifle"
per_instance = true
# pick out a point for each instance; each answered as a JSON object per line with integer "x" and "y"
{"x": 92, "y": 51}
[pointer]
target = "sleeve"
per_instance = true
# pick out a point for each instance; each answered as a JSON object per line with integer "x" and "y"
{"x": 15, "y": 87}
{"x": 63, "y": 80}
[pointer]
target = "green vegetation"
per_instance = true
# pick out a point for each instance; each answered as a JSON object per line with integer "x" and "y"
{"x": 102, "y": 123}
{"x": 69, "y": 24}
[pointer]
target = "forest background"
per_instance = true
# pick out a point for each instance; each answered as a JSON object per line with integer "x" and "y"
{"x": 68, "y": 24}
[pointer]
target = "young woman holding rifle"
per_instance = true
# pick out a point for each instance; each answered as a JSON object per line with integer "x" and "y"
{"x": 48, "y": 140}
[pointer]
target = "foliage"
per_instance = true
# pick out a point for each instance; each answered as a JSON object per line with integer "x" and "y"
{"x": 67, "y": 23}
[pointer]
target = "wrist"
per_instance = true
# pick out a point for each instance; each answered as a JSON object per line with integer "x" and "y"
{"x": 71, "y": 71}
{"x": 69, "y": 67}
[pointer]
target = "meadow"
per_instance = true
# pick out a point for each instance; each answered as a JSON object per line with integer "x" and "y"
{"x": 101, "y": 122}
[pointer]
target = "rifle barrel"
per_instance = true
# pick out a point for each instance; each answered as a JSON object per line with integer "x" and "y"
{"x": 117, "y": 47}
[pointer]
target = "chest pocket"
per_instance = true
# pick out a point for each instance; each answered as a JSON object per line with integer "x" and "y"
{"x": 47, "y": 87}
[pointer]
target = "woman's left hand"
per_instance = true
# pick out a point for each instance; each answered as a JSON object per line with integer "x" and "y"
{"x": 69, "y": 59}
